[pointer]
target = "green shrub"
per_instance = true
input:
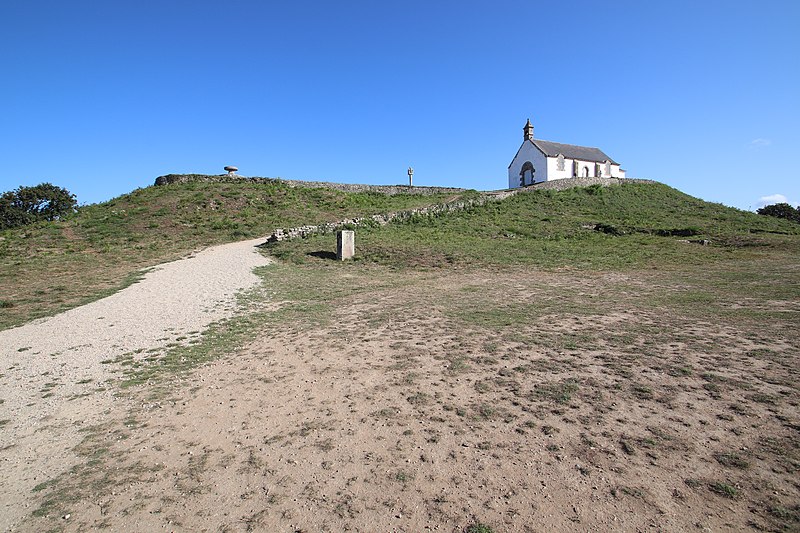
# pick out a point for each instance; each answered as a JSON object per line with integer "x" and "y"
{"x": 782, "y": 210}
{"x": 27, "y": 205}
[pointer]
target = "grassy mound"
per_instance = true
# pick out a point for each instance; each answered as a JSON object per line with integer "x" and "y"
{"x": 631, "y": 225}
{"x": 48, "y": 267}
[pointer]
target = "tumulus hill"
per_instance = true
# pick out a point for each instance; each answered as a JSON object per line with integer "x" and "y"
{"x": 601, "y": 358}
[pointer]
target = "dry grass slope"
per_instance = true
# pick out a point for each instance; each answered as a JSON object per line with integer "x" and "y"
{"x": 49, "y": 267}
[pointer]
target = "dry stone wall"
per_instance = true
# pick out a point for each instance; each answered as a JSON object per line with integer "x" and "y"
{"x": 283, "y": 234}
{"x": 568, "y": 183}
{"x": 344, "y": 187}
{"x": 555, "y": 185}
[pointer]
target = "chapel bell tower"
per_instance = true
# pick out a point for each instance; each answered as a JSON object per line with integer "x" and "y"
{"x": 528, "y": 129}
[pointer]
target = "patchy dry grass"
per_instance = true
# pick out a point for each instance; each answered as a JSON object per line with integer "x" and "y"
{"x": 369, "y": 395}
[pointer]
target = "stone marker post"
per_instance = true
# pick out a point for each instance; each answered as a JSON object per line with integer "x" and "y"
{"x": 345, "y": 244}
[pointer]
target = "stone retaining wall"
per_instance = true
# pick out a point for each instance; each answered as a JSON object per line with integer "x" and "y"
{"x": 555, "y": 185}
{"x": 568, "y": 183}
{"x": 344, "y": 187}
{"x": 283, "y": 234}
{"x": 383, "y": 189}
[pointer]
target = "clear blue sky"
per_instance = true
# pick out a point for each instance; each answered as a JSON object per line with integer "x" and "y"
{"x": 101, "y": 97}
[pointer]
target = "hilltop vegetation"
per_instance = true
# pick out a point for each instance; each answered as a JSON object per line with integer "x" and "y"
{"x": 631, "y": 225}
{"x": 27, "y": 205}
{"x": 51, "y": 266}
{"x": 781, "y": 210}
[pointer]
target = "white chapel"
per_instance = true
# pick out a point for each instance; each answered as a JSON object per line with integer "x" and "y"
{"x": 537, "y": 161}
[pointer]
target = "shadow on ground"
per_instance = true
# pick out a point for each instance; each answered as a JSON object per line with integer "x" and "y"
{"x": 322, "y": 254}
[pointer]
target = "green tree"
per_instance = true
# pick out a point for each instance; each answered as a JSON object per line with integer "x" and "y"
{"x": 26, "y": 205}
{"x": 782, "y": 210}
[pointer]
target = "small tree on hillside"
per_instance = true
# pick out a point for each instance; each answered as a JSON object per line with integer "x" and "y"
{"x": 26, "y": 205}
{"x": 782, "y": 210}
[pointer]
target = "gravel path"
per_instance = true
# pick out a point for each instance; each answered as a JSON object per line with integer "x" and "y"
{"x": 53, "y": 381}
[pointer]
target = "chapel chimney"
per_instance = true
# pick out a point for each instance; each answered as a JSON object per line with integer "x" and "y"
{"x": 528, "y": 129}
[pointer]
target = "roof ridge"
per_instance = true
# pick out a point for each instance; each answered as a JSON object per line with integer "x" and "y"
{"x": 568, "y": 144}
{"x": 572, "y": 151}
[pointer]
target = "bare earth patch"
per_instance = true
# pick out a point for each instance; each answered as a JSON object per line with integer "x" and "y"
{"x": 439, "y": 400}
{"x": 59, "y": 376}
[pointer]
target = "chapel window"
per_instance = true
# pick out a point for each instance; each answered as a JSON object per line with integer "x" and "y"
{"x": 560, "y": 162}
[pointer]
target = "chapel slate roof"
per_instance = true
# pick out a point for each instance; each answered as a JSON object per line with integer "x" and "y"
{"x": 570, "y": 151}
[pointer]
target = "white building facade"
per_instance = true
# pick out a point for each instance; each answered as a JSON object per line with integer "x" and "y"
{"x": 537, "y": 161}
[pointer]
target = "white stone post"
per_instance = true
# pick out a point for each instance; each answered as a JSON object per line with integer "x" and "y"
{"x": 345, "y": 244}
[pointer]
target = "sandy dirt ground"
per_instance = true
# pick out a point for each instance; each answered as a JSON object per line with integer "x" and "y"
{"x": 551, "y": 402}
{"x": 56, "y": 379}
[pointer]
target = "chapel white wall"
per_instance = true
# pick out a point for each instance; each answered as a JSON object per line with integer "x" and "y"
{"x": 615, "y": 170}
{"x": 528, "y": 152}
{"x": 552, "y": 169}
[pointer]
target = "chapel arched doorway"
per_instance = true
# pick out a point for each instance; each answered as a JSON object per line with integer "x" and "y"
{"x": 527, "y": 175}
